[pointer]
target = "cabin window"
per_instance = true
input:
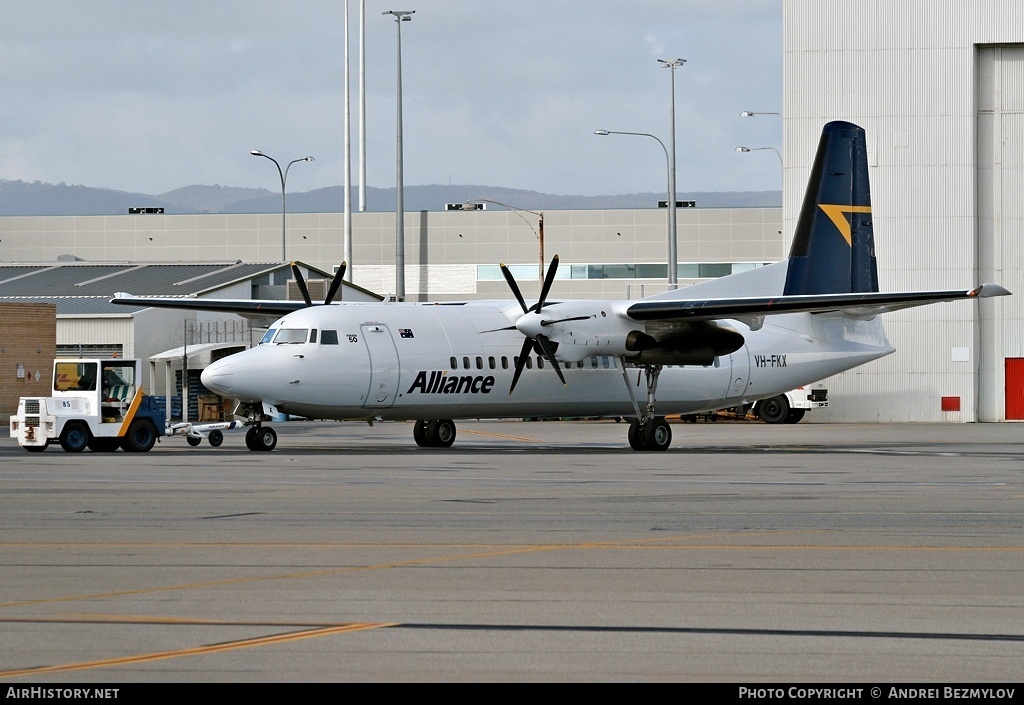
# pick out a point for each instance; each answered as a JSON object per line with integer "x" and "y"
{"x": 268, "y": 336}
{"x": 490, "y": 362}
{"x": 328, "y": 337}
{"x": 465, "y": 363}
{"x": 479, "y": 363}
{"x": 540, "y": 362}
{"x": 291, "y": 336}
{"x": 453, "y": 362}
{"x": 593, "y": 362}
{"x": 504, "y": 362}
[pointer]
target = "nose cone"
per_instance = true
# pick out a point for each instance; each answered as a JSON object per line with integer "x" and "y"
{"x": 219, "y": 377}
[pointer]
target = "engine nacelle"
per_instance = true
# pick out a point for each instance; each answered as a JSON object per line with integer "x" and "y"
{"x": 695, "y": 344}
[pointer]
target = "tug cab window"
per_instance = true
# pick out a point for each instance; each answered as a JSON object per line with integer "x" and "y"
{"x": 79, "y": 376}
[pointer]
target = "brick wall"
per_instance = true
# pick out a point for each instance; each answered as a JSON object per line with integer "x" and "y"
{"x": 28, "y": 344}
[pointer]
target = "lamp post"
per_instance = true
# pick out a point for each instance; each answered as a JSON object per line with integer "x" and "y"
{"x": 284, "y": 180}
{"x": 750, "y": 113}
{"x": 673, "y": 273}
{"x": 758, "y": 149}
{"x": 539, "y": 232}
{"x": 400, "y": 17}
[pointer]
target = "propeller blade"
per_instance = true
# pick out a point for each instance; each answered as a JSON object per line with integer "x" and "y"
{"x": 513, "y": 286}
{"x": 336, "y": 283}
{"x": 563, "y": 320}
{"x": 520, "y": 363}
{"x": 495, "y": 330}
{"x": 549, "y": 279}
{"x": 549, "y": 353}
{"x": 301, "y": 283}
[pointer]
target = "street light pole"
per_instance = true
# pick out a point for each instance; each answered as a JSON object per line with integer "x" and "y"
{"x": 284, "y": 180}
{"x": 758, "y": 149}
{"x": 673, "y": 273}
{"x": 539, "y": 232}
{"x": 673, "y": 269}
{"x": 400, "y": 17}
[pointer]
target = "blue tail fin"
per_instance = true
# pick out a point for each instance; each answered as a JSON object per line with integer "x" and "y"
{"x": 833, "y": 248}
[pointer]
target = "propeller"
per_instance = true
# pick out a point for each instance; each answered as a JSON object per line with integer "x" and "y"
{"x": 538, "y": 341}
{"x": 331, "y": 291}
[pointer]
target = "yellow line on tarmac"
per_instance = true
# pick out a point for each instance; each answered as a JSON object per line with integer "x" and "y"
{"x": 199, "y": 650}
{"x": 501, "y": 435}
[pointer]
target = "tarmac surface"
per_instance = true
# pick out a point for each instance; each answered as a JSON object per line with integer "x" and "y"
{"x": 546, "y": 551}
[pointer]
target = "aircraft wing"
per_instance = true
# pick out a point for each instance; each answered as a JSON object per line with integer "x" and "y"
{"x": 243, "y": 307}
{"x": 752, "y": 307}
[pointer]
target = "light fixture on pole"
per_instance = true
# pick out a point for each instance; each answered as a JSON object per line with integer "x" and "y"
{"x": 758, "y": 149}
{"x": 284, "y": 180}
{"x": 400, "y": 17}
{"x": 673, "y": 269}
{"x": 750, "y": 113}
{"x": 519, "y": 211}
{"x": 673, "y": 274}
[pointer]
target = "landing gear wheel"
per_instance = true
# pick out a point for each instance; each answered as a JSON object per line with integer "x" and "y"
{"x": 419, "y": 434}
{"x": 104, "y": 445}
{"x": 141, "y": 437}
{"x": 250, "y": 438}
{"x": 193, "y": 440}
{"x": 634, "y": 435}
{"x": 215, "y": 438}
{"x": 75, "y": 437}
{"x": 444, "y": 433}
{"x": 264, "y": 439}
{"x": 656, "y": 434}
{"x": 774, "y": 410}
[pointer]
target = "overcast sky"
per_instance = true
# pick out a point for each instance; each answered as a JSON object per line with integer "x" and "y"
{"x": 153, "y": 96}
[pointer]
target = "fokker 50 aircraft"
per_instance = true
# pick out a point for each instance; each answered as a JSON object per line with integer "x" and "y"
{"x": 716, "y": 344}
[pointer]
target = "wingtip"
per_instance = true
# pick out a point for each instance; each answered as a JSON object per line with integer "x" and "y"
{"x": 986, "y": 290}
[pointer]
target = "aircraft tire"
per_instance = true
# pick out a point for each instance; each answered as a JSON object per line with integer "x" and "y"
{"x": 444, "y": 433}
{"x": 795, "y": 415}
{"x": 656, "y": 434}
{"x": 265, "y": 439}
{"x": 104, "y": 445}
{"x": 215, "y": 438}
{"x": 419, "y": 434}
{"x": 75, "y": 437}
{"x": 193, "y": 440}
{"x": 634, "y": 435}
{"x": 141, "y": 437}
{"x": 774, "y": 410}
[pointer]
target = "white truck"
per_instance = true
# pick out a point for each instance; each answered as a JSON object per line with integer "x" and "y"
{"x": 791, "y": 406}
{"x": 96, "y": 404}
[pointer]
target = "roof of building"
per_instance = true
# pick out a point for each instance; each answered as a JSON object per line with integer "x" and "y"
{"x": 85, "y": 288}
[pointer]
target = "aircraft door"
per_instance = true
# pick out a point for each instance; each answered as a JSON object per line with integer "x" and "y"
{"x": 384, "y": 365}
{"x": 740, "y": 363}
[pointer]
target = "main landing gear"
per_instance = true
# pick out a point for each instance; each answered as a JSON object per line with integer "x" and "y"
{"x": 434, "y": 434}
{"x": 647, "y": 431}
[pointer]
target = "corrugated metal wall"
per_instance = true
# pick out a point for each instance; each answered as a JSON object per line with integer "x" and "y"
{"x": 915, "y": 74}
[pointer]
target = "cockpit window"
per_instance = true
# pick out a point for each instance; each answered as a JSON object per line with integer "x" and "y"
{"x": 268, "y": 336}
{"x": 291, "y": 336}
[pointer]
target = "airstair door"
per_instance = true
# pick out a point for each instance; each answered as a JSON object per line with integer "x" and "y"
{"x": 384, "y": 365}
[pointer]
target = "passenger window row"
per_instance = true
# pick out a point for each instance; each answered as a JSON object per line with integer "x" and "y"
{"x": 466, "y": 362}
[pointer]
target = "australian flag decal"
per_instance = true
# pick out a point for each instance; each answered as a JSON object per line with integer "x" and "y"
{"x": 405, "y": 333}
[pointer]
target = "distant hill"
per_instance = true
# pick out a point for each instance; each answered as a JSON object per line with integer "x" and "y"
{"x": 37, "y": 198}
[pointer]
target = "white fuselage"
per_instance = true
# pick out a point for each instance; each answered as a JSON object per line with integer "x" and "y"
{"x": 431, "y": 361}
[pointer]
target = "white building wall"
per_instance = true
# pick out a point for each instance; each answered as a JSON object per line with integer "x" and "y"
{"x": 908, "y": 71}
